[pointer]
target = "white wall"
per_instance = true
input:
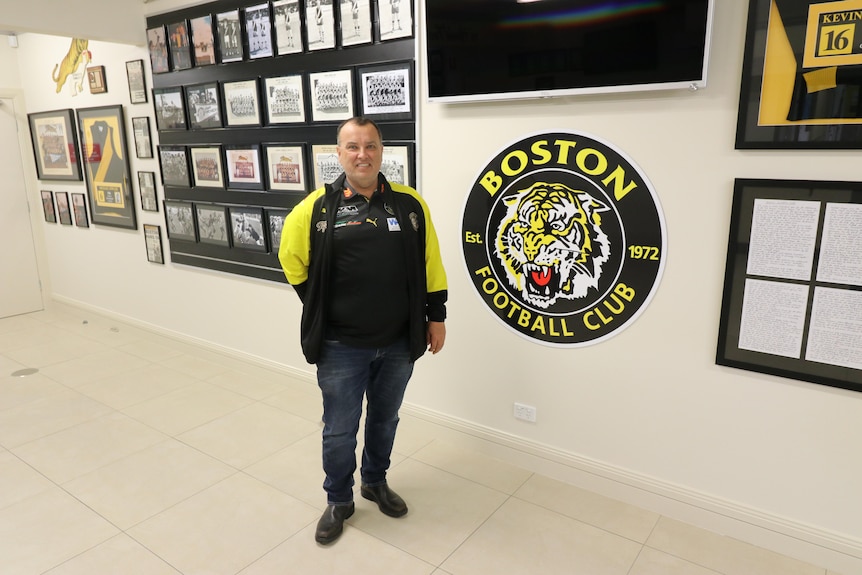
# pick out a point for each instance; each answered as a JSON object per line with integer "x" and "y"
{"x": 646, "y": 416}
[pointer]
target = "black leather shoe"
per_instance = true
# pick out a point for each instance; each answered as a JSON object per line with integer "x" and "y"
{"x": 331, "y": 523}
{"x": 387, "y": 500}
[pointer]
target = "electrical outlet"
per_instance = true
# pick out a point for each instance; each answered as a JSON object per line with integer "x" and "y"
{"x": 525, "y": 412}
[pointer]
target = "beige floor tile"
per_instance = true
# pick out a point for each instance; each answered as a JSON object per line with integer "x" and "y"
{"x": 300, "y": 399}
{"x": 82, "y": 448}
{"x": 128, "y": 389}
{"x": 296, "y": 469}
{"x": 17, "y": 391}
{"x": 413, "y": 434}
{"x": 525, "y": 538}
{"x": 249, "y": 434}
{"x": 47, "y": 529}
{"x": 194, "y": 366}
{"x": 256, "y": 385}
{"x": 723, "y": 554}
{"x": 86, "y": 368}
{"x": 120, "y": 554}
{"x": 150, "y": 350}
{"x": 355, "y": 553}
{"x": 470, "y": 465}
{"x": 187, "y": 408}
{"x": 602, "y": 512}
{"x": 18, "y": 481}
{"x": 652, "y": 562}
{"x": 148, "y": 482}
{"x": 46, "y": 415}
{"x": 224, "y": 528}
{"x": 443, "y": 511}
{"x": 53, "y": 351}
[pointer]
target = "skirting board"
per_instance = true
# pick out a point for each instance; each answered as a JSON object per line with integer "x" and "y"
{"x": 808, "y": 543}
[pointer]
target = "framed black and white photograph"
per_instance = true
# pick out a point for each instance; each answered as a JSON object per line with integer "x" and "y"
{"x": 247, "y": 228}
{"x": 258, "y": 30}
{"x": 243, "y": 167}
{"x": 170, "y": 108}
{"x": 141, "y": 135}
{"x": 64, "y": 211}
{"x": 356, "y": 26}
{"x": 287, "y": 27}
{"x": 180, "y": 219}
{"x": 331, "y": 95}
{"x": 229, "y": 34}
{"x": 285, "y": 167}
{"x": 324, "y": 157}
{"x": 395, "y": 19}
{"x": 178, "y": 40}
{"x": 147, "y": 189}
{"x": 79, "y": 207}
{"x": 285, "y": 99}
{"x": 275, "y": 224}
{"x": 397, "y": 164}
{"x": 157, "y": 45}
{"x": 55, "y": 144}
{"x": 212, "y": 224}
{"x": 319, "y": 25}
{"x": 175, "y": 166}
{"x": 207, "y": 166}
{"x": 153, "y": 243}
{"x": 203, "y": 40}
{"x": 202, "y": 101}
{"x": 137, "y": 82}
{"x": 386, "y": 91}
{"x": 48, "y": 208}
{"x": 241, "y": 102}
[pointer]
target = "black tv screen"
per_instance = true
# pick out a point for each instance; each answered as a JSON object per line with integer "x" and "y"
{"x": 496, "y": 49}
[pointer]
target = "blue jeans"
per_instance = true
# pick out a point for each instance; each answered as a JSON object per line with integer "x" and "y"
{"x": 345, "y": 374}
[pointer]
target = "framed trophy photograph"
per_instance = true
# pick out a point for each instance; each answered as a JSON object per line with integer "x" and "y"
{"x": 242, "y": 103}
{"x": 180, "y": 219}
{"x": 331, "y": 95}
{"x": 203, "y": 40}
{"x": 243, "y": 167}
{"x": 178, "y": 40}
{"x": 141, "y": 135}
{"x": 258, "y": 30}
{"x": 319, "y": 25}
{"x": 247, "y": 228}
{"x": 175, "y": 166}
{"x": 157, "y": 45}
{"x": 79, "y": 207}
{"x": 285, "y": 167}
{"x": 202, "y": 101}
{"x": 287, "y": 27}
{"x": 207, "y": 166}
{"x": 356, "y": 26}
{"x": 147, "y": 189}
{"x": 212, "y": 224}
{"x": 229, "y": 36}
{"x": 153, "y": 243}
{"x": 137, "y": 82}
{"x": 170, "y": 108}
{"x": 386, "y": 91}
{"x": 285, "y": 99}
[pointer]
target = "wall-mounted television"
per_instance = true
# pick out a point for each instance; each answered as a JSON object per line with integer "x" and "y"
{"x": 504, "y": 49}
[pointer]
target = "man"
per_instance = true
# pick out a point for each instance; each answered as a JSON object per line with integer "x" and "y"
{"x": 363, "y": 256}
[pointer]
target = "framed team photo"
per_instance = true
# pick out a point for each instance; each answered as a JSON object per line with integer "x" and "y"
{"x": 207, "y": 166}
{"x": 137, "y": 82}
{"x": 287, "y": 27}
{"x": 141, "y": 135}
{"x": 180, "y": 219}
{"x": 175, "y": 166}
{"x": 79, "y": 206}
{"x": 331, "y": 95}
{"x": 241, "y": 102}
{"x": 147, "y": 189}
{"x": 326, "y": 166}
{"x": 48, "y": 207}
{"x": 153, "y": 243}
{"x": 157, "y": 45}
{"x": 395, "y": 19}
{"x": 386, "y": 91}
{"x": 202, "y": 101}
{"x": 319, "y": 25}
{"x": 203, "y": 40}
{"x": 285, "y": 99}
{"x": 356, "y": 26}
{"x": 212, "y": 224}
{"x": 229, "y": 36}
{"x": 275, "y": 224}
{"x": 170, "y": 108}
{"x": 285, "y": 167}
{"x": 247, "y": 228}
{"x": 258, "y": 30}
{"x": 397, "y": 164}
{"x": 64, "y": 212}
{"x": 178, "y": 40}
{"x": 243, "y": 167}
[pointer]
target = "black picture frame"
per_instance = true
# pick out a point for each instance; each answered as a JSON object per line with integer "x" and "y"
{"x": 178, "y": 41}
{"x": 157, "y": 44}
{"x": 180, "y": 221}
{"x": 207, "y": 166}
{"x": 212, "y": 224}
{"x": 79, "y": 207}
{"x": 331, "y": 95}
{"x": 48, "y": 207}
{"x": 325, "y": 165}
{"x": 55, "y": 144}
{"x": 247, "y": 228}
{"x": 777, "y": 107}
{"x": 141, "y": 134}
{"x": 386, "y": 91}
{"x": 147, "y": 191}
{"x": 394, "y": 19}
{"x": 137, "y": 80}
{"x": 287, "y": 27}
{"x": 64, "y": 210}
{"x": 153, "y": 243}
{"x": 243, "y": 167}
{"x": 105, "y": 160}
{"x": 793, "y": 308}
{"x": 241, "y": 103}
{"x": 286, "y": 167}
{"x": 357, "y": 25}
{"x": 399, "y": 163}
{"x": 203, "y": 40}
{"x": 229, "y": 36}
{"x": 284, "y": 98}
{"x": 170, "y": 108}
{"x": 319, "y": 25}
{"x": 174, "y": 163}
{"x": 203, "y": 106}
{"x": 275, "y": 224}
{"x": 258, "y": 31}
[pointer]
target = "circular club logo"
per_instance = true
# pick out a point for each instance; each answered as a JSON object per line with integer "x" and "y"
{"x": 564, "y": 239}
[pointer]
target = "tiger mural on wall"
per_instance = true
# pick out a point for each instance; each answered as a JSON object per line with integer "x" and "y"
{"x": 551, "y": 243}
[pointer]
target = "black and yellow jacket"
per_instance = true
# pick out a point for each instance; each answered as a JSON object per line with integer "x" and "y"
{"x": 305, "y": 256}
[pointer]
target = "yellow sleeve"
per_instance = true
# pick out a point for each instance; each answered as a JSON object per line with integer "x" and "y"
{"x": 294, "y": 252}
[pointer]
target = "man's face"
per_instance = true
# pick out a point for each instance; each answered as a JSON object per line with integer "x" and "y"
{"x": 360, "y": 153}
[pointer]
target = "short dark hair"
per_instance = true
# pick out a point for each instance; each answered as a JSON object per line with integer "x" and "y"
{"x": 359, "y": 121}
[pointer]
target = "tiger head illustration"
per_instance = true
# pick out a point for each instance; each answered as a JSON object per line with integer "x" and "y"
{"x": 551, "y": 243}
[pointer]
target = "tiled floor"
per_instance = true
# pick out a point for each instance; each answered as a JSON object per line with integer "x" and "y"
{"x": 131, "y": 453}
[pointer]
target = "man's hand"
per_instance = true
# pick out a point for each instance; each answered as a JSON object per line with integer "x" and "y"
{"x": 436, "y": 335}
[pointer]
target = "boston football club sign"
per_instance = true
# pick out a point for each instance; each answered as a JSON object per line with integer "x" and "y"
{"x": 564, "y": 239}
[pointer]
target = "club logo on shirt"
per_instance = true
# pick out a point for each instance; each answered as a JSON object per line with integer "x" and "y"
{"x": 564, "y": 239}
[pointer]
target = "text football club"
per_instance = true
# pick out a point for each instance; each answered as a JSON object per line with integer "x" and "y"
{"x": 564, "y": 239}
